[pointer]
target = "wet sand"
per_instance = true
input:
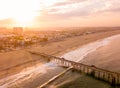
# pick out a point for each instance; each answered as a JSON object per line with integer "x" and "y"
{"x": 81, "y": 53}
{"x": 106, "y": 57}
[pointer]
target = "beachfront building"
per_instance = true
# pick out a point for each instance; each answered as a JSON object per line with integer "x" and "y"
{"x": 18, "y": 30}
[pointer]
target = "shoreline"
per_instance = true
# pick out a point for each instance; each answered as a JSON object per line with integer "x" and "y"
{"x": 106, "y": 57}
{"x": 70, "y": 79}
{"x": 10, "y": 59}
{"x": 87, "y": 42}
{"x": 81, "y": 52}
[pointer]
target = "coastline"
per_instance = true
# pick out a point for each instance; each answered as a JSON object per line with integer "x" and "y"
{"x": 106, "y": 57}
{"x": 61, "y": 47}
{"x": 109, "y": 50}
{"x": 79, "y": 54}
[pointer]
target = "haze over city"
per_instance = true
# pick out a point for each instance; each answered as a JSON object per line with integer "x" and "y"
{"x": 62, "y": 13}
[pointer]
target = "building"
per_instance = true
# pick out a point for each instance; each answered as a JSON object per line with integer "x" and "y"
{"x": 18, "y": 30}
{"x": 3, "y": 30}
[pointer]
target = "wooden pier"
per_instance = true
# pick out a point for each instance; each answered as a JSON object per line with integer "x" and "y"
{"x": 111, "y": 77}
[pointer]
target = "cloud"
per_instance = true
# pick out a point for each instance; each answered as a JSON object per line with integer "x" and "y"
{"x": 81, "y": 8}
{"x": 53, "y": 11}
{"x": 68, "y": 2}
{"x": 114, "y": 6}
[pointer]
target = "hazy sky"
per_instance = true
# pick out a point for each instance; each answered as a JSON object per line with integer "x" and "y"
{"x": 59, "y": 13}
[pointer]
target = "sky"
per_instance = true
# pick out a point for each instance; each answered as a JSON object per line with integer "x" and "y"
{"x": 59, "y": 13}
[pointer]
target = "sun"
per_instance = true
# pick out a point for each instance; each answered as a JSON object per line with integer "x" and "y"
{"x": 25, "y": 11}
{"x": 21, "y": 11}
{"x": 23, "y": 18}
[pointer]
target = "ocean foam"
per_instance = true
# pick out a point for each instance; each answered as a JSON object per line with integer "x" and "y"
{"x": 78, "y": 54}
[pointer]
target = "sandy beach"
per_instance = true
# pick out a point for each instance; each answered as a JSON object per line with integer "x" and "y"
{"x": 105, "y": 56}
{"x": 58, "y": 48}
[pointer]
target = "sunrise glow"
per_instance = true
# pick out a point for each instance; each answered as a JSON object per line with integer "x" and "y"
{"x": 57, "y": 43}
{"x": 21, "y": 11}
{"x": 54, "y": 13}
